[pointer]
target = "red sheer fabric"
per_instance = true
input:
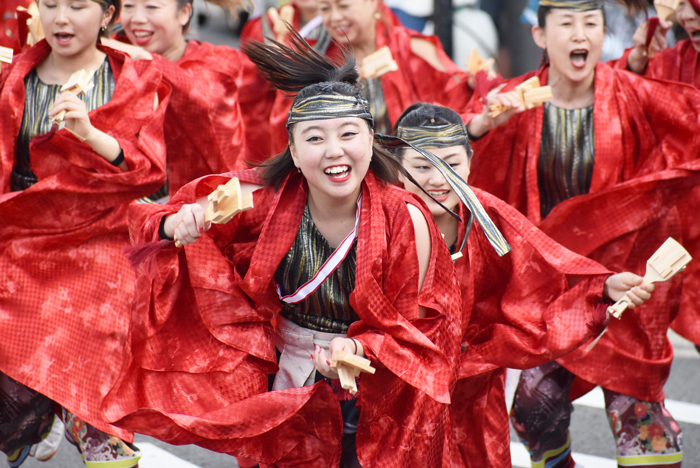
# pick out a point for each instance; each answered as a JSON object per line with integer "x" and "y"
{"x": 520, "y": 312}
{"x": 682, "y": 64}
{"x": 646, "y": 163}
{"x": 415, "y": 81}
{"x": 205, "y": 326}
{"x": 66, "y": 290}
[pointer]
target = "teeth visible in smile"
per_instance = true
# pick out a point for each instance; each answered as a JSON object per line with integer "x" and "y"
{"x": 142, "y": 34}
{"x": 441, "y": 193}
{"x": 336, "y": 170}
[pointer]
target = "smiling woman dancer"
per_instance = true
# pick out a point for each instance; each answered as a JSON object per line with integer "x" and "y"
{"x": 601, "y": 169}
{"x": 204, "y": 126}
{"x": 391, "y": 295}
{"x": 519, "y": 311}
{"x": 67, "y": 290}
{"x": 425, "y": 72}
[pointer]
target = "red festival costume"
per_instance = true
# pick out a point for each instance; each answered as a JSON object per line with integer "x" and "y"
{"x": 519, "y": 312}
{"x": 681, "y": 64}
{"x": 207, "y": 330}
{"x": 66, "y": 289}
{"x": 415, "y": 81}
{"x": 646, "y": 149}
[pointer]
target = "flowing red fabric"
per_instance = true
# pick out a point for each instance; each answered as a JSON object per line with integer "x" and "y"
{"x": 415, "y": 81}
{"x": 204, "y": 125}
{"x": 519, "y": 311}
{"x": 647, "y": 139}
{"x": 66, "y": 289}
{"x": 205, "y": 330}
{"x": 682, "y": 64}
{"x": 9, "y": 29}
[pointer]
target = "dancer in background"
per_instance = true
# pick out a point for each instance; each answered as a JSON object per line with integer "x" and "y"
{"x": 204, "y": 126}
{"x": 425, "y": 73}
{"x": 518, "y": 311}
{"x": 602, "y": 169}
{"x": 68, "y": 291}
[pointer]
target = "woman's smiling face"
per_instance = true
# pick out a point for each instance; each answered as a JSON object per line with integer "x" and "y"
{"x": 430, "y": 178}
{"x": 334, "y": 154}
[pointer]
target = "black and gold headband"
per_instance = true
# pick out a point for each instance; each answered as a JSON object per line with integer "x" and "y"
{"x": 575, "y": 5}
{"x": 328, "y": 106}
{"x": 437, "y": 136}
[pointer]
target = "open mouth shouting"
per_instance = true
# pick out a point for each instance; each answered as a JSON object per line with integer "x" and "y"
{"x": 63, "y": 38}
{"x": 142, "y": 37}
{"x": 579, "y": 57}
{"x": 339, "y": 173}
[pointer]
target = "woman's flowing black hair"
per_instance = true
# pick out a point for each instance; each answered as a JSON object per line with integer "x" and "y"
{"x": 298, "y": 69}
{"x": 423, "y": 114}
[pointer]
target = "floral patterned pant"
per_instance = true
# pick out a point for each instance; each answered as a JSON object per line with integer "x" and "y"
{"x": 645, "y": 433}
{"x": 97, "y": 448}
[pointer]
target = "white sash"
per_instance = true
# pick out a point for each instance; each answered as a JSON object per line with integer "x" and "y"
{"x": 328, "y": 267}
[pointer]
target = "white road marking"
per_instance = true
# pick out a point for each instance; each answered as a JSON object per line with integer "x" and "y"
{"x": 156, "y": 457}
{"x": 521, "y": 459}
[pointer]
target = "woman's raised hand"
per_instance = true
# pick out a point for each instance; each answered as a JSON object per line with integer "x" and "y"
{"x": 188, "y": 224}
{"x": 639, "y": 57}
{"x": 76, "y": 115}
{"x": 484, "y": 122}
{"x": 630, "y": 285}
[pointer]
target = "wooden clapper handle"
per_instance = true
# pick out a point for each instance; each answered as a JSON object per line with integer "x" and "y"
{"x": 349, "y": 367}
{"x": 668, "y": 260}
{"x": 224, "y": 203}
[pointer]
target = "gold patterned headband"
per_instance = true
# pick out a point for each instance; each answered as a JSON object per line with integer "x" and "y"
{"x": 576, "y": 5}
{"x": 328, "y": 106}
{"x": 438, "y": 136}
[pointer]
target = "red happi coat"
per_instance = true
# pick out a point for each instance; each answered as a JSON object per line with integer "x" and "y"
{"x": 519, "y": 312}
{"x": 646, "y": 148}
{"x": 415, "y": 81}
{"x": 66, "y": 289}
{"x": 204, "y": 125}
{"x": 205, "y": 342}
{"x": 682, "y": 64}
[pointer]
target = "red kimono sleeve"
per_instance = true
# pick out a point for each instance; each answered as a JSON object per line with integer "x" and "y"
{"x": 67, "y": 289}
{"x": 682, "y": 64}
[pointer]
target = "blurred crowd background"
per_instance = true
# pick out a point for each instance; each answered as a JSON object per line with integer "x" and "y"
{"x": 496, "y": 28}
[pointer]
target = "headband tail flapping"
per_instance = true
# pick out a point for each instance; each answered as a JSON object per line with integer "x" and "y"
{"x": 459, "y": 185}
